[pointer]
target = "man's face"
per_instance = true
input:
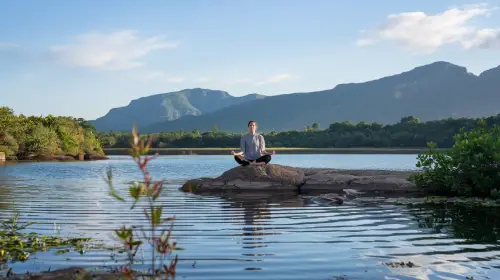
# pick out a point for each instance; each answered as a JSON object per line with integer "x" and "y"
{"x": 252, "y": 127}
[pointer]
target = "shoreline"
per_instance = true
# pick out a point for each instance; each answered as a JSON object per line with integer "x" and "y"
{"x": 56, "y": 158}
{"x": 280, "y": 150}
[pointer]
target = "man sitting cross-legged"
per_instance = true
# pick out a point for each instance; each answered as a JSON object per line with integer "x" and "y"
{"x": 253, "y": 148}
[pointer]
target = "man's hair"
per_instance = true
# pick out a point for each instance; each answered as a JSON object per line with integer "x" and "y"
{"x": 252, "y": 121}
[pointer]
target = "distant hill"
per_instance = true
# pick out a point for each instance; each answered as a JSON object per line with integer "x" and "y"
{"x": 167, "y": 107}
{"x": 430, "y": 92}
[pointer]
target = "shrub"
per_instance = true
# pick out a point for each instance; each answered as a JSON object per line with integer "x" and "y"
{"x": 469, "y": 168}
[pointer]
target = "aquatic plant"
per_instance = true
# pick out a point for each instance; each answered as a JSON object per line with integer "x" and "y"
{"x": 158, "y": 236}
{"x": 18, "y": 246}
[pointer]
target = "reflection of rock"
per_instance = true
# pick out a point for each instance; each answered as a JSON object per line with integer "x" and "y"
{"x": 274, "y": 177}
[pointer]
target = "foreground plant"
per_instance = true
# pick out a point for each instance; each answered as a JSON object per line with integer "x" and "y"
{"x": 17, "y": 246}
{"x": 470, "y": 168}
{"x": 157, "y": 235}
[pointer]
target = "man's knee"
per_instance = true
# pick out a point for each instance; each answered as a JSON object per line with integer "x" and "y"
{"x": 267, "y": 158}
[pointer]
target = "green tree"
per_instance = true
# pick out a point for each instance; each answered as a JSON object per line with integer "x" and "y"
{"x": 409, "y": 120}
{"x": 315, "y": 126}
{"x": 41, "y": 141}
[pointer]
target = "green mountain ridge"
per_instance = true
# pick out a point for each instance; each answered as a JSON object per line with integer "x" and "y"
{"x": 430, "y": 92}
{"x": 167, "y": 107}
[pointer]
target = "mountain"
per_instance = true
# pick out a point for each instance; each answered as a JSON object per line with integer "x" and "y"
{"x": 167, "y": 107}
{"x": 430, "y": 92}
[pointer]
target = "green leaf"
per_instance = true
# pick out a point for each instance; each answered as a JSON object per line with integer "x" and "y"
{"x": 156, "y": 215}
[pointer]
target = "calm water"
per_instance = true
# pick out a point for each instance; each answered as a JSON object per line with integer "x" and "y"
{"x": 289, "y": 237}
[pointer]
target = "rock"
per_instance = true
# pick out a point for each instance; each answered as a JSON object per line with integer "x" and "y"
{"x": 352, "y": 192}
{"x": 274, "y": 177}
{"x": 94, "y": 157}
{"x": 65, "y": 274}
{"x": 54, "y": 158}
{"x": 333, "y": 197}
{"x": 328, "y": 180}
{"x": 401, "y": 264}
{"x": 271, "y": 177}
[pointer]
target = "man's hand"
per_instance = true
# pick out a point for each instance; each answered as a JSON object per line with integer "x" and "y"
{"x": 236, "y": 154}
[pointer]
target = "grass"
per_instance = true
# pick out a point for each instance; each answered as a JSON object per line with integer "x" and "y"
{"x": 282, "y": 150}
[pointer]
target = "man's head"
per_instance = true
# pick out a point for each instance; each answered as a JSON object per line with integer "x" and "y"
{"x": 252, "y": 126}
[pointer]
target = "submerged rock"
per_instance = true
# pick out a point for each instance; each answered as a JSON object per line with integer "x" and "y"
{"x": 275, "y": 177}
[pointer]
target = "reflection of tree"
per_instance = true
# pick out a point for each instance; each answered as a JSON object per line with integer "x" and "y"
{"x": 5, "y": 198}
{"x": 479, "y": 225}
{"x": 4, "y": 194}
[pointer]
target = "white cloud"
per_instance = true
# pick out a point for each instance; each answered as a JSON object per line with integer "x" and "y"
{"x": 4, "y": 46}
{"x": 486, "y": 39}
{"x": 423, "y": 33}
{"x": 276, "y": 79}
{"x": 114, "y": 51}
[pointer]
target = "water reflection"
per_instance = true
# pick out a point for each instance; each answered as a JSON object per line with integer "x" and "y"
{"x": 5, "y": 193}
{"x": 473, "y": 225}
{"x": 256, "y": 220}
{"x": 256, "y": 235}
{"x": 456, "y": 241}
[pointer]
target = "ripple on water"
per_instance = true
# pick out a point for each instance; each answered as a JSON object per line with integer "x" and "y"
{"x": 273, "y": 238}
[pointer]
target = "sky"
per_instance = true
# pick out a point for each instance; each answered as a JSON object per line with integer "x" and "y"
{"x": 82, "y": 58}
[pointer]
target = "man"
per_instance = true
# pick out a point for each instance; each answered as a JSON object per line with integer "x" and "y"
{"x": 252, "y": 148}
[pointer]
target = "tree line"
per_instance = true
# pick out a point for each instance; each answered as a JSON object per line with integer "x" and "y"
{"x": 409, "y": 132}
{"x": 23, "y": 137}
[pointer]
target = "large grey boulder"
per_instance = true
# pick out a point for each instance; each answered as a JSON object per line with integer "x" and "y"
{"x": 275, "y": 177}
{"x": 271, "y": 177}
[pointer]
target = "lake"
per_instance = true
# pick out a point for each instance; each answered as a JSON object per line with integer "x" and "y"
{"x": 292, "y": 237}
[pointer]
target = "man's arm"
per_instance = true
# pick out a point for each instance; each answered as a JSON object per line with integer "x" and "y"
{"x": 242, "y": 148}
{"x": 263, "y": 147}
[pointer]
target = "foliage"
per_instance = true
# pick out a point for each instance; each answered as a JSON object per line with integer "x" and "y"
{"x": 157, "y": 235}
{"x": 18, "y": 246}
{"x": 408, "y": 133}
{"x": 469, "y": 168}
{"x": 8, "y": 144}
{"x": 28, "y": 137}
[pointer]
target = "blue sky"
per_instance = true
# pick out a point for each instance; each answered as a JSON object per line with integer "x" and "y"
{"x": 82, "y": 58}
